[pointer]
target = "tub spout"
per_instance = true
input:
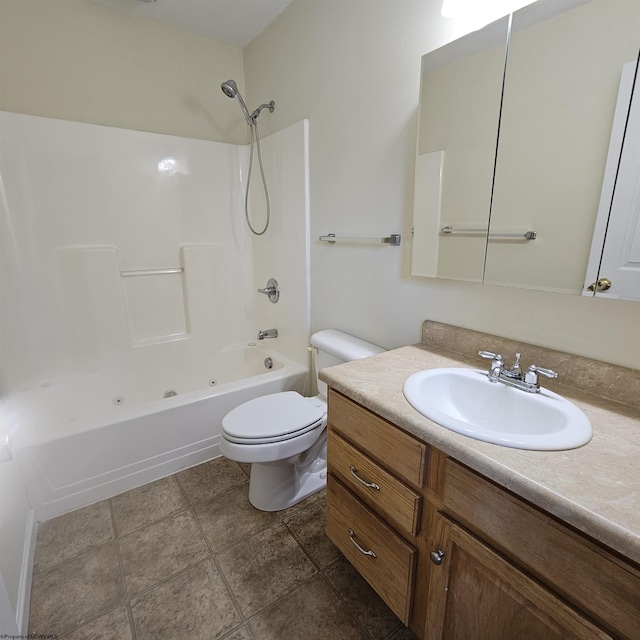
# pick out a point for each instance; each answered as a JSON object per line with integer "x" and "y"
{"x": 267, "y": 333}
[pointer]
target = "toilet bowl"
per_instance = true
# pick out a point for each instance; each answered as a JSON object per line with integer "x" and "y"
{"x": 283, "y": 435}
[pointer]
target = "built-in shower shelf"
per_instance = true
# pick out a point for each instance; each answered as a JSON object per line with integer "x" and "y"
{"x": 392, "y": 240}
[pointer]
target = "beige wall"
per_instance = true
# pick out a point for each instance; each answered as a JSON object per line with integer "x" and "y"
{"x": 76, "y": 60}
{"x": 352, "y": 67}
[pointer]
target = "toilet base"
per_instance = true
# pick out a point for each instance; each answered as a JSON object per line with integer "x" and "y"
{"x": 274, "y": 487}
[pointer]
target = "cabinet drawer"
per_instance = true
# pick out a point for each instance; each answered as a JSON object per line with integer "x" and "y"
{"x": 396, "y": 450}
{"x": 381, "y": 491}
{"x": 582, "y": 571}
{"x": 391, "y": 571}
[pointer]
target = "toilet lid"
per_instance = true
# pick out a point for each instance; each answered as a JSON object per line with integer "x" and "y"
{"x": 271, "y": 418}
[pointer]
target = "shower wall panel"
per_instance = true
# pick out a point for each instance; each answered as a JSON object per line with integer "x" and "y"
{"x": 130, "y": 252}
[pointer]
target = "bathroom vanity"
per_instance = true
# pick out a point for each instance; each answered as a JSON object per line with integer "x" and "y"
{"x": 465, "y": 539}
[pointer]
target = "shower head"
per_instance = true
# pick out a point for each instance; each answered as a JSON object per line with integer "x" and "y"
{"x": 230, "y": 89}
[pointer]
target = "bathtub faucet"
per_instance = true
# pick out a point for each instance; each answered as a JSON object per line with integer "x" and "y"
{"x": 267, "y": 333}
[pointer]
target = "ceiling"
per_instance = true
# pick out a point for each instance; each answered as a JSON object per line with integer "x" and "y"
{"x": 233, "y": 22}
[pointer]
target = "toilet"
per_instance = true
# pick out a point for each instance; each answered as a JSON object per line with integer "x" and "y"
{"x": 284, "y": 435}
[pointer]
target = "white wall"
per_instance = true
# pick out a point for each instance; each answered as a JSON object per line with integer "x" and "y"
{"x": 81, "y": 61}
{"x": 352, "y": 67}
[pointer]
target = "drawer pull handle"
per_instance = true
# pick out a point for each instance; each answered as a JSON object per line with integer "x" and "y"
{"x": 358, "y": 547}
{"x": 437, "y": 556}
{"x": 369, "y": 485}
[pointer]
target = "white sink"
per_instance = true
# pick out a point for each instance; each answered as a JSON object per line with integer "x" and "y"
{"x": 464, "y": 401}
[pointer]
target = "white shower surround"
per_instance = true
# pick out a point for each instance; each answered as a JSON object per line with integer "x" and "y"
{"x": 84, "y": 203}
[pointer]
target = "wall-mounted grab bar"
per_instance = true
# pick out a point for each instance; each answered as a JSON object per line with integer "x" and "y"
{"x": 150, "y": 272}
{"x": 392, "y": 240}
{"x": 521, "y": 235}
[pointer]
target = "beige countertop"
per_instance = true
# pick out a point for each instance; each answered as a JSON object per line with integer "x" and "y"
{"x": 595, "y": 488}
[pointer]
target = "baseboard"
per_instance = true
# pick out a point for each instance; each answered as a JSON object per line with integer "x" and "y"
{"x": 26, "y": 573}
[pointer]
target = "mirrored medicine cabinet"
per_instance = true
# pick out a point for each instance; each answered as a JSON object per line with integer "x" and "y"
{"x": 527, "y": 157}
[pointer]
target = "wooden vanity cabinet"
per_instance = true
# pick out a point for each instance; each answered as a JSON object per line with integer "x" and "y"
{"x": 459, "y": 557}
{"x": 475, "y": 593}
{"x": 374, "y": 499}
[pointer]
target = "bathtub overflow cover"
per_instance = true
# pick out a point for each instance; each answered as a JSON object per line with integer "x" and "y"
{"x": 268, "y": 363}
{"x": 212, "y": 382}
{"x": 169, "y": 394}
{"x": 118, "y": 400}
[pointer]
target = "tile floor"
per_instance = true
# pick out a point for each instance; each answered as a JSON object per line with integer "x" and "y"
{"x": 189, "y": 557}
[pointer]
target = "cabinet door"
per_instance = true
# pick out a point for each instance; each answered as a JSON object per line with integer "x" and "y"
{"x": 475, "y": 593}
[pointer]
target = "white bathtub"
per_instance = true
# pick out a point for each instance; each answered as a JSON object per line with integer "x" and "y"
{"x": 91, "y": 438}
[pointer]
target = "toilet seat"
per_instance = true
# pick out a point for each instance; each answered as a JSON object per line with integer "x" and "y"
{"x": 273, "y": 418}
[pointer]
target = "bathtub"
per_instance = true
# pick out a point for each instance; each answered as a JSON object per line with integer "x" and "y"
{"x": 90, "y": 438}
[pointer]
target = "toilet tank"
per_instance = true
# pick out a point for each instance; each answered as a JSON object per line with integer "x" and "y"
{"x": 336, "y": 347}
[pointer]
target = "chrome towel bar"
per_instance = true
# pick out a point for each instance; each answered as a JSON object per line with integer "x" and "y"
{"x": 392, "y": 240}
{"x": 522, "y": 235}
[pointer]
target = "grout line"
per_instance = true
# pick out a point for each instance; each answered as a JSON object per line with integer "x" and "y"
{"x": 284, "y": 596}
{"x": 344, "y": 603}
{"x": 213, "y": 557}
{"x": 121, "y": 569}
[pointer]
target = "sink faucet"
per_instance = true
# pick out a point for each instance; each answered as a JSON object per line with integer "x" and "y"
{"x": 267, "y": 333}
{"x": 513, "y": 377}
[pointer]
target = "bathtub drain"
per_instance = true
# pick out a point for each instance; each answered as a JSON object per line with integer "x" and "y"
{"x": 169, "y": 394}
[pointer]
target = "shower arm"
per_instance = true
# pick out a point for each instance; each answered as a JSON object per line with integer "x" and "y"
{"x": 271, "y": 106}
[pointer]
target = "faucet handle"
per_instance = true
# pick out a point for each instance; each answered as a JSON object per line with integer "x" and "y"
{"x": 531, "y": 376}
{"x": 490, "y": 356}
{"x": 547, "y": 373}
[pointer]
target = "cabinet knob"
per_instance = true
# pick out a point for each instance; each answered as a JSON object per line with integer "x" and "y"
{"x": 437, "y": 556}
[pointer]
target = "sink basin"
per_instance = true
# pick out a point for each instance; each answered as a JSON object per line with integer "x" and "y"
{"x": 464, "y": 401}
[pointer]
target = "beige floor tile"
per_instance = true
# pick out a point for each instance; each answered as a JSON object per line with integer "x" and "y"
{"x": 264, "y": 567}
{"x": 308, "y": 526}
{"x": 210, "y": 479}
{"x": 111, "y": 626}
{"x": 285, "y": 513}
{"x": 311, "y": 612}
{"x": 144, "y": 505}
{"x": 230, "y": 517}
{"x": 73, "y": 533}
{"x": 363, "y": 602}
{"x": 75, "y": 591}
{"x": 195, "y": 605}
{"x": 160, "y": 550}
